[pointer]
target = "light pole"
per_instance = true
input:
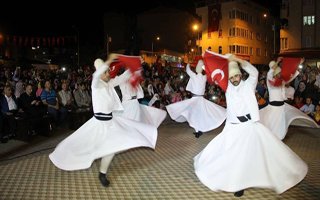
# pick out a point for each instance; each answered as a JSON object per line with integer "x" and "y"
{"x": 195, "y": 27}
{"x": 274, "y": 37}
{"x": 109, "y": 39}
{"x": 274, "y": 33}
{"x": 157, "y": 38}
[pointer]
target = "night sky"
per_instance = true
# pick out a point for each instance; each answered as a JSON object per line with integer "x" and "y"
{"x": 58, "y": 17}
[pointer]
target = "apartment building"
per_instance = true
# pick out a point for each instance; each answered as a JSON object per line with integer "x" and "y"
{"x": 240, "y": 27}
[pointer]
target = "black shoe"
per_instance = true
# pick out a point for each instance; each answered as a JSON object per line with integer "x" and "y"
{"x": 103, "y": 179}
{"x": 197, "y": 134}
{"x": 239, "y": 193}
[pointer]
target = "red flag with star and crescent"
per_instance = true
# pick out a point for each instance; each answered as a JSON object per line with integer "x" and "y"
{"x": 216, "y": 67}
{"x": 195, "y": 61}
{"x": 114, "y": 68}
{"x": 133, "y": 63}
{"x": 289, "y": 67}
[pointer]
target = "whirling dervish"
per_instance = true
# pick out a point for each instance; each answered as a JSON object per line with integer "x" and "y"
{"x": 201, "y": 114}
{"x": 104, "y": 135}
{"x": 132, "y": 91}
{"x": 278, "y": 115}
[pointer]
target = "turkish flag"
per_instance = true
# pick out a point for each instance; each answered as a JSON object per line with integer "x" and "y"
{"x": 195, "y": 61}
{"x": 216, "y": 67}
{"x": 276, "y": 82}
{"x": 214, "y": 16}
{"x": 135, "y": 79}
{"x": 133, "y": 63}
{"x": 289, "y": 67}
{"x": 114, "y": 69}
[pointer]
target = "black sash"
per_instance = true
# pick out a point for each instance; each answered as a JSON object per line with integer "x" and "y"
{"x": 103, "y": 116}
{"x": 196, "y": 95}
{"x": 244, "y": 118}
{"x": 277, "y": 103}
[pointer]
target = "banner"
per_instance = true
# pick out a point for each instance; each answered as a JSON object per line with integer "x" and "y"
{"x": 214, "y": 16}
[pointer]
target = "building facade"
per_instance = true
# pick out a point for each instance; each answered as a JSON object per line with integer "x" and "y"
{"x": 240, "y": 27}
{"x": 299, "y": 35}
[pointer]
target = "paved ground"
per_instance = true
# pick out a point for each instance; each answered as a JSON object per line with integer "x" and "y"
{"x": 165, "y": 173}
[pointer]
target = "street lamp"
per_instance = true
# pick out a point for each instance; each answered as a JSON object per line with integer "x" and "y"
{"x": 195, "y": 27}
{"x": 157, "y": 39}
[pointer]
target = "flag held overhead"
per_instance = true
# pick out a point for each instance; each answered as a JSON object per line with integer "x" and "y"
{"x": 216, "y": 67}
{"x": 289, "y": 67}
{"x": 133, "y": 63}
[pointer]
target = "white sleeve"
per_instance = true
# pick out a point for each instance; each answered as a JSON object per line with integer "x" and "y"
{"x": 253, "y": 73}
{"x": 189, "y": 71}
{"x": 96, "y": 75}
{"x": 120, "y": 79}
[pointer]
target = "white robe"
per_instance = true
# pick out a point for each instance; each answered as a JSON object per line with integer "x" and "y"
{"x": 136, "y": 111}
{"x": 201, "y": 114}
{"x": 96, "y": 139}
{"x": 278, "y": 118}
{"x": 247, "y": 154}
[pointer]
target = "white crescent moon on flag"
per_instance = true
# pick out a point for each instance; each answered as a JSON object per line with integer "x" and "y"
{"x": 215, "y": 72}
{"x": 112, "y": 68}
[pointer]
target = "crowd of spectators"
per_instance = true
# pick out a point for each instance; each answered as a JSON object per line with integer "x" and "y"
{"x": 53, "y": 97}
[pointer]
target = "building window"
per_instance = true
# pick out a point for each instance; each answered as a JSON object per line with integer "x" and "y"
{"x": 308, "y": 41}
{"x": 209, "y": 35}
{"x": 232, "y": 49}
{"x": 220, "y": 33}
{"x": 251, "y": 51}
{"x": 283, "y": 43}
{"x": 233, "y": 14}
{"x": 238, "y": 14}
{"x": 258, "y": 35}
{"x": 308, "y": 20}
{"x": 266, "y": 39}
{"x": 238, "y": 49}
{"x": 232, "y": 32}
{"x": 220, "y": 50}
{"x": 258, "y": 52}
{"x": 258, "y": 20}
{"x": 265, "y": 53}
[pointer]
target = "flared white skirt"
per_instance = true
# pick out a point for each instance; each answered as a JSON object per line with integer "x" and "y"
{"x": 96, "y": 139}
{"x": 248, "y": 155}
{"x": 279, "y": 118}
{"x": 201, "y": 114}
{"x": 142, "y": 113}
